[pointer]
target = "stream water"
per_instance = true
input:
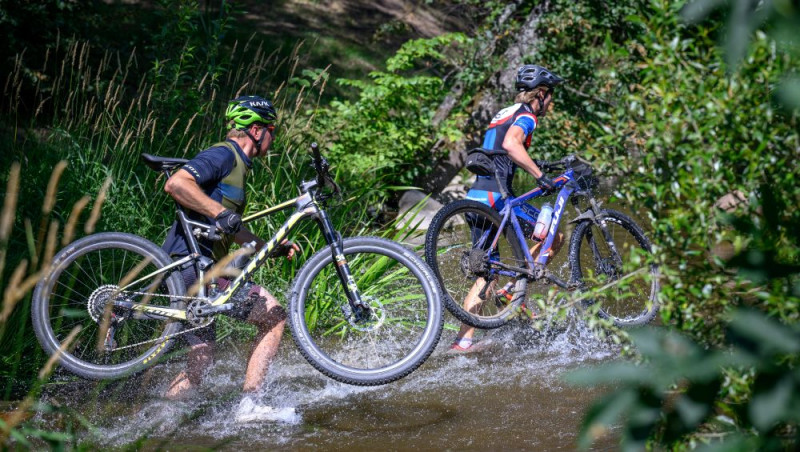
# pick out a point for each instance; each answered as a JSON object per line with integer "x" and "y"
{"x": 511, "y": 396}
{"x": 508, "y": 397}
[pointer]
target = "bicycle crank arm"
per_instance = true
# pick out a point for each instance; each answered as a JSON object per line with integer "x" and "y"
{"x": 530, "y": 274}
{"x": 205, "y": 311}
{"x": 557, "y": 281}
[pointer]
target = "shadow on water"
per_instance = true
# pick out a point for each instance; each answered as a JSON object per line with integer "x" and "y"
{"x": 507, "y": 397}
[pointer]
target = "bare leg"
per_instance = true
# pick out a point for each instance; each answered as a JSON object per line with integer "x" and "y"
{"x": 558, "y": 241}
{"x": 201, "y": 356}
{"x": 472, "y": 303}
{"x": 270, "y": 318}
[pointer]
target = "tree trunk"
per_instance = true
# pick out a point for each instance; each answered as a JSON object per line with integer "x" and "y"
{"x": 496, "y": 92}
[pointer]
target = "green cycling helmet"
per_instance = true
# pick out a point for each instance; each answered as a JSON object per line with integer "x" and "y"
{"x": 247, "y": 110}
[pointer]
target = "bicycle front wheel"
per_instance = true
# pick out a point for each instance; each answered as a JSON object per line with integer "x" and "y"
{"x": 460, "y": 235}
{"x": 595, "y": 264}
{"x": 401, "y": 331}
{"x": 76, "y": 295}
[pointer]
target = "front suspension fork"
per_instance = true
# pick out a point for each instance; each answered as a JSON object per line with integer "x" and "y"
{"x": 601, "y": 224}
{"x": 356, "y": 307}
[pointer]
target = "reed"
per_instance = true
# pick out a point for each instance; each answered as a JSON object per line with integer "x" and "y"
{"x": 16, "y": 288}
{"x": 90, "y": 124}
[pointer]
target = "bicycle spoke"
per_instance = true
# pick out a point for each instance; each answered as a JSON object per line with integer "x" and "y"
{"x": 627, "y": 301}
{"x": 80, "y": 291}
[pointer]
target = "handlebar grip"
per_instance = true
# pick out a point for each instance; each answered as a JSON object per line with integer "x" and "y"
{"x": 315, "y": 150}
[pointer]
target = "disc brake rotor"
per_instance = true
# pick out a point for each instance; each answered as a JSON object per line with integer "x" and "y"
{"x": 377, "y": 316}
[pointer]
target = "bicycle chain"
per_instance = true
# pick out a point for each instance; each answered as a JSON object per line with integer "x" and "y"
{"x": 168, "y": 337}
{"x": 162, "y": 339}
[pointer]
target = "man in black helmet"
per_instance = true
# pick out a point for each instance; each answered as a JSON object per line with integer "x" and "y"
{"x": 510, "y": 131}
{"x": 211, "y": 188}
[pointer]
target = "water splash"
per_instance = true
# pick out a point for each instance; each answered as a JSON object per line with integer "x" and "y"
{"x": 514, "y": 385}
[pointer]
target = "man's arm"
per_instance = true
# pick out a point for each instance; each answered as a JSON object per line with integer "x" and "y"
{"x": 512, "y": 143}
{"x": 183, "y": 187}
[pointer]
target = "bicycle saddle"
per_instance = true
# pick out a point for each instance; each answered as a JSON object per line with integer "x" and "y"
{"x": 162, "y": 163}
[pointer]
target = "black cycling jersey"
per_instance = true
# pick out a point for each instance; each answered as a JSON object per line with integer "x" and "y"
{"x": 209, "y": 169}
{"x": 520, "y": 115}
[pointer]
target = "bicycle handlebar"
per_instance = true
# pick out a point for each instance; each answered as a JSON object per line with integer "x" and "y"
{"x": 321, "y": 166}
{"x": 561, "y": 164}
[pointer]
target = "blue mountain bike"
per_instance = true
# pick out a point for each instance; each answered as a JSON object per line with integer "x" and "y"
{"x": 474, "y": 250}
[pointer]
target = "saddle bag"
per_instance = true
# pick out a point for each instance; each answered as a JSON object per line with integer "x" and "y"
{"x": 481, "y": 161}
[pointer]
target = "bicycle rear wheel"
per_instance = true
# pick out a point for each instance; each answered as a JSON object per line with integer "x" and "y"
{"x": 460, "y": 234}
{"x": 85, "y": 276}
{"x": 401, "y": 333}
{"x": 594, "y": 265}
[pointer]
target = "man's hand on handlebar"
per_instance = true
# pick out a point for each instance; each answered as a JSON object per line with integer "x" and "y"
{"x": 228, "y": 222}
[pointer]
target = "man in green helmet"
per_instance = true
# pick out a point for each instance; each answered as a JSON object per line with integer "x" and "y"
{"x": 211, "y": 188}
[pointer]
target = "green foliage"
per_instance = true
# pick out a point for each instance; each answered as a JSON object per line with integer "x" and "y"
{"x": 386, "y": 135}
{"x": 653, "y": 103}
{"x": 674, "y": 392}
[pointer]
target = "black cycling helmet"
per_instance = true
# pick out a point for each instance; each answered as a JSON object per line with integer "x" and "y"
{"x": 530, "y": 76}
{"x": 245, "y": 110}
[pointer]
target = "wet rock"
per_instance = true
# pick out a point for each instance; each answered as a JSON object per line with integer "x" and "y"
{"x": 729, "y": 203}
{"x": 732, "y": 201}
{"x": 408, "y": 205}
{"x": 456, "y": 189}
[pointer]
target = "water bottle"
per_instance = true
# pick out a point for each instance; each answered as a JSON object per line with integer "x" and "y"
{"x": 543, "y": 221}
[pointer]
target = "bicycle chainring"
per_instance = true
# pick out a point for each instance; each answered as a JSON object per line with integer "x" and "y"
{"x": 197, "y": 320}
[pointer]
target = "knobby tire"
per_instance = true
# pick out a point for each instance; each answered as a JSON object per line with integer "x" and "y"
{"x": 393, "y": 280}
{"x": 75, "y": 293}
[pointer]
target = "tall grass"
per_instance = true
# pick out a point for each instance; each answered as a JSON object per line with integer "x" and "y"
{"x": 89, "y": 127}
{"x": 16, "y": 288}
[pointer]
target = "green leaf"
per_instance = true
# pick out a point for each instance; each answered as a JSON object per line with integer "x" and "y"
{"x": 690, "y": 411}
{"x": 789, "y": 92}
{"x": 770, "y": 406}
{"x": 610, "y": 373}
{"x": 603, "y": 414}
{"x": 765, "y": 332}
{"x": 697, "y": 10}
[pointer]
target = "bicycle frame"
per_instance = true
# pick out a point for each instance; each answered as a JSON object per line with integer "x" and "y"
{"x": 306, "y": 206}
{"x": 508, "y": 216}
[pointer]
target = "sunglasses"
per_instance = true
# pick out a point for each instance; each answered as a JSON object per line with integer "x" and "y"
{"x": 269, "y": 128}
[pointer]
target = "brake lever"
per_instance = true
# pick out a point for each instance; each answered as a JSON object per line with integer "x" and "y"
{"x": 210, "y": 233}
